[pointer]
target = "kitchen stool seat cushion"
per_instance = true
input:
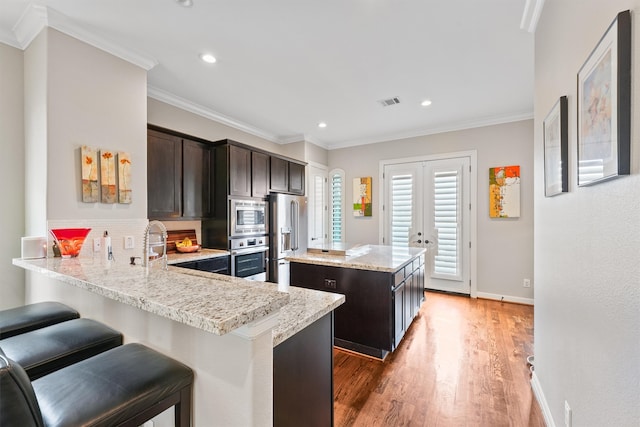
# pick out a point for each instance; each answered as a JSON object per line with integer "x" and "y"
{"x": 126, "y": 385}
{"x": 45, "y": 350}
{"x": 29, "y": 317}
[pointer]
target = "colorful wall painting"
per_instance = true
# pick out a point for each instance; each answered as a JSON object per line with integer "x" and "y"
{"x": 107, "y": 176}
{"x": 90, "y": 191}
{"x": 504, "y": 192}
{"x": 362, "y": 197}
{"x": 124, "y": 177}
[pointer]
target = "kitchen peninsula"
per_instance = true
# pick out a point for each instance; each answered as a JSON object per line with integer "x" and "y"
{"x": 224, "y": 328}
{"x": 384, "y": 289}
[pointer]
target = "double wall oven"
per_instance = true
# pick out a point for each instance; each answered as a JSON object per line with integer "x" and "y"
{"x": 248, "y": 241}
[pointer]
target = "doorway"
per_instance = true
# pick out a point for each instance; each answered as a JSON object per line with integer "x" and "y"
{"x": 429, "y": 202}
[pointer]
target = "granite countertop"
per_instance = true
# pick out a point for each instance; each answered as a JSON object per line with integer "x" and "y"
{"x": 203, "y": 253}
{"x": 368, "y": 257}
{"x": 305, "y": 305}
{"x": 213, "y": 302}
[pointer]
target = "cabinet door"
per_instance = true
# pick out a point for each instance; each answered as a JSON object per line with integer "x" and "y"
{"x": 259, "y": 174}
{"x": 279, "y": 174}
{"x": 239, "y": 171}
{"x": 399, "y": 296}
{"x": 164, "y": 175}
{"x": 296, "y": 178}
{"x": 196, "y": 179}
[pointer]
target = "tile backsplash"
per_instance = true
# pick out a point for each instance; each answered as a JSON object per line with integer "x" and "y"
{"x": 118, "y": 229}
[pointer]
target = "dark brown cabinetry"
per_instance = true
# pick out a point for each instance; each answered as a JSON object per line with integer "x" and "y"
{"x": 279, "y": 175}
{"x": 379, "y": 306}
{"x": 259, "y": 174}
{"x": 218, "y": 265}
{"x": 303, "y": 377}
{"x": 239, "y": 171}
{"x": 287, "y": 176}
{"x": 197, "y": 179}
{"x": 164, "y": 175}
{"x": 179, "y": 177}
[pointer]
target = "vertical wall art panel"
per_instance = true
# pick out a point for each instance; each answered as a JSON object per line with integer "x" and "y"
{"x": 362, "y": 197}
{"x": 107, "y": 176}
{"x": 89, "y": 158}
{"x": 124, "y": 177}
{"x": 504, "y": 192}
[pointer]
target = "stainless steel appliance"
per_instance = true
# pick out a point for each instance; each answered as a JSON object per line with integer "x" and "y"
{"x": 287, "y": 232}
{"x": 249, "y": 257}
{"x": 247, "y": 217}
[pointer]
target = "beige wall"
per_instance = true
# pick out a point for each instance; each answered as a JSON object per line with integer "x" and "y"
{"x": 587, "y": 242}
{"x": 11, "y": 174}
{"x": 505, "y": 246}
{"x": 94, "y": 99}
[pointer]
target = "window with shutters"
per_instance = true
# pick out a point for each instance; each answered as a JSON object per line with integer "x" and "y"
{"x": 336, "y": 191}
{"x": 446, "y": 218}
{"x": 401, "y": 209}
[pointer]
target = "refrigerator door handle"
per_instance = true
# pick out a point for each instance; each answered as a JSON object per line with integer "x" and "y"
{"x": 295, "y": 211}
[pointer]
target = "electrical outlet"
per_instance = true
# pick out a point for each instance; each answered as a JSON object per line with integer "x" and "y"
{"x": 97, "y": 244}
{"x": 129, "y": 243}
{"x": 329, "y": 283}
{"x": 567, "y": 414}
{"x": 526, "y": 283}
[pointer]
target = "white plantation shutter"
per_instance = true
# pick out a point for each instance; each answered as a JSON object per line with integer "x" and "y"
{"x": 337, "y": 197}
{"x": 401, "y": 209}
{"x": 447, "y": 201}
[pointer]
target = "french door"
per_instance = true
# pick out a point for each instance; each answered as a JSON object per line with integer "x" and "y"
{"x": 427, "y": 204}
{"x": 317, "y": 205}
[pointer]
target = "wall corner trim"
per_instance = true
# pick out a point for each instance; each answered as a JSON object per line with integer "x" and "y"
{"x": 542, "y": 401}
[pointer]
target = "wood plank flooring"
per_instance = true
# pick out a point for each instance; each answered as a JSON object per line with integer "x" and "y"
{"x": 462, "y": 363}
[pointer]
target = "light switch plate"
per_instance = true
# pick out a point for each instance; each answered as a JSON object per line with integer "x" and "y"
{"x": 97, "y": 244}
{"x": 129, "y": 242}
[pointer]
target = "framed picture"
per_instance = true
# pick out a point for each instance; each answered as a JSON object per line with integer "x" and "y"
{"x": 504, "y": 192}
{"x": 604, "y": 106}
{"x": 362, "y": 197}
{"x": 556, "y": 151}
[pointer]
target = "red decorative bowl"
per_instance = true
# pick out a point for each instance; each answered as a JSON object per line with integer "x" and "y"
{"x": 70, "y": 240}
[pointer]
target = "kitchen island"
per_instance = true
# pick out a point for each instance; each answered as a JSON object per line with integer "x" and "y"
{"x": 384, "y": 289}
{"x": 224, "y": 328}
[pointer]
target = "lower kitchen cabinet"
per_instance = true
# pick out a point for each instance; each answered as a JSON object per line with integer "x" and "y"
{"x": 218, "y": 265}
{"x": 379, "y": 307}
{"x": 303, "y": 377}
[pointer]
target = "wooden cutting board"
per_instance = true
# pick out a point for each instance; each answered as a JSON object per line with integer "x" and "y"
{"x": 178, "y": 236}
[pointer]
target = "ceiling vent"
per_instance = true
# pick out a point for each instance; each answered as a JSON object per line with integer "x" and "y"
{"x": 388, "y": 102}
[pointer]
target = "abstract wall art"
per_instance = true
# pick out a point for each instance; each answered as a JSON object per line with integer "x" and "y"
{"x": 504, "y": 192}
{"x": 124, "y": 177}
{"x": 107, "y": 176}
{"x": 89, "y": 168}
{"x": 362, "y": 197}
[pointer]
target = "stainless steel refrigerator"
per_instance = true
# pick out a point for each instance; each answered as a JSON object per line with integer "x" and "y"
{"x": 287, "y": 233}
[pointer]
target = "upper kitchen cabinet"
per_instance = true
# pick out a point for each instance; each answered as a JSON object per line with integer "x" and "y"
{"x": 296, "y": 178}
{"x": 279, "y": 175}
{"x": 179, "y": 177}
{"x": 239, "y": 171}
{"x": 164, "y": 175}
{"x": 259, "y": 174}
{"x": 287, "y": 176}
{"x": 197, "y": 179}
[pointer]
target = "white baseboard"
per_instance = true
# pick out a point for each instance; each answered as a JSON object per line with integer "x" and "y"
{"x": 507, "y": 298}
{"x": 542, "y": 401}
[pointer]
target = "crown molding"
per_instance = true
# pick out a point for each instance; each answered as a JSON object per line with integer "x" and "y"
{"x": 36, "y": 17}
{"x": 531, "y": 15}
{"x": 490, "y": 121}
{"x": 184, "y": 104}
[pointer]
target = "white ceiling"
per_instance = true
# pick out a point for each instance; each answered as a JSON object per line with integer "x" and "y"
{"x": 283, "y": 66}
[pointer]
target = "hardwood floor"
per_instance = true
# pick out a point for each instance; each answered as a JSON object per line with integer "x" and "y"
{"x": 462, "y": 363}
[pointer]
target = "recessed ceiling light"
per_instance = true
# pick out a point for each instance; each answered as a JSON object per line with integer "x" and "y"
{"x": 208, "y": 58}
{"x": 322, "y": 125}
{"x": 185, "y": 3}
{"x": 426, "y": 103}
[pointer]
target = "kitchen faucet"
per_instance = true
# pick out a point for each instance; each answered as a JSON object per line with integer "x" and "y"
{"x": 148, "y": 245}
